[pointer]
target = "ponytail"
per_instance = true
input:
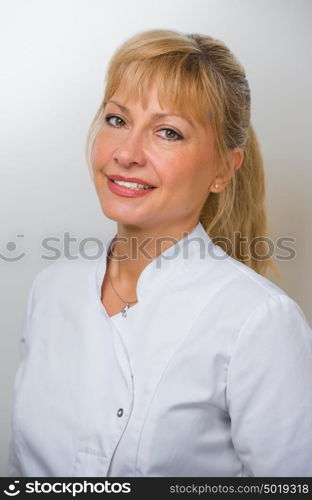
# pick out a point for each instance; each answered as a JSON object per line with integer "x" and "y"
{"x": 236, "y": 219}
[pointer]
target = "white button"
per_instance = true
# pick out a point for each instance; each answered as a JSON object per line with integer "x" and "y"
{"x": 120, "y": 412}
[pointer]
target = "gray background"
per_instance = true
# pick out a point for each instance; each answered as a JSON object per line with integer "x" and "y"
{"x": 54, "y": 55}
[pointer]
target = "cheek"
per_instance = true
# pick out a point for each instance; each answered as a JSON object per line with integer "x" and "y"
{"x": 188, "y": 174}
{"x": 102, "y": 151}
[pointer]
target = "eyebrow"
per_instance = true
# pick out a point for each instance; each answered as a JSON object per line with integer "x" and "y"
{"x": 155, "y": 116}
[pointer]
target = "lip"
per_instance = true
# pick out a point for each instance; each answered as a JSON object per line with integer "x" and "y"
{"x": 129, "y": 179}
{"x": 125, "y": 191}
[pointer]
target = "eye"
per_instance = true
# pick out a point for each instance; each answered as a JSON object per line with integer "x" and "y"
{"x": 171, "y": 135}
{"x": 119, "y": 121}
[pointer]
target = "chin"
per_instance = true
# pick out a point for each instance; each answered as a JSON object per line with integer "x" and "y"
{"x": 123, "y": 217}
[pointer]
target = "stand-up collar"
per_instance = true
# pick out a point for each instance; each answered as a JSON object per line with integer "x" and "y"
{"x": 192, "y": 245}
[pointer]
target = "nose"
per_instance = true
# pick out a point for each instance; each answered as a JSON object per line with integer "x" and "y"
{"x": 130, "y": 151}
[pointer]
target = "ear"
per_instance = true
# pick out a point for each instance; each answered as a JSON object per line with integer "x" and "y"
{"x": 234, "y": 161}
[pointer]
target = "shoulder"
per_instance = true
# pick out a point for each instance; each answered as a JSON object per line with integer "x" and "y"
{"x": 273, "y": 326}
{"x": 64, "y": 277}
{"x": 248, "y": 282}
{"x": 236, "y": 291}
{"x": 264, "y": 296}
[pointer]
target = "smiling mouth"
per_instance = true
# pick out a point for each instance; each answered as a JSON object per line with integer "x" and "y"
{"x": 132, "y": 185}
{"x": 128, "y": 189}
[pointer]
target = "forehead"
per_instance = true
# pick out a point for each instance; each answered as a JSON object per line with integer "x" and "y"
{"x": 151, "y": 102}
{"x": 165, "y": 92}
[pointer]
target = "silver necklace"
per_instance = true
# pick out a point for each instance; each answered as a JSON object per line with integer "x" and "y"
{"x": 125, "y": 309}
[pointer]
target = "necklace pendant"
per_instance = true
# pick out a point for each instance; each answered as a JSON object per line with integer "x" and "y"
{"x": 125, "y": 309}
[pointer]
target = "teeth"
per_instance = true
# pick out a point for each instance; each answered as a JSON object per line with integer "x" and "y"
{"x": 131, "y": 185}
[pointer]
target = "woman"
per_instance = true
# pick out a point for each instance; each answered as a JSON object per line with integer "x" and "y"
{"x": 171, "y": 355}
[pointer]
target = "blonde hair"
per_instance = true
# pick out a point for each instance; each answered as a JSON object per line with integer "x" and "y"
{"x": 202, "y": 79}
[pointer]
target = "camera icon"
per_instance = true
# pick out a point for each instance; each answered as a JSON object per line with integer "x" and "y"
{"x": 12, "y": 490}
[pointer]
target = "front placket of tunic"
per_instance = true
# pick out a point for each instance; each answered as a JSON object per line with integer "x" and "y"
{"x": 124, "y": 458}
{"x": 107, "y": 389}
{"x": 123, "y": 327}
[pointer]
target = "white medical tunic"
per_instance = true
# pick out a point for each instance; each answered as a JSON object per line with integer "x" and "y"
{"x": 208, "y": 375}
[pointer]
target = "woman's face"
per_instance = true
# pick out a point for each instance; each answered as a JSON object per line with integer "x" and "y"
{"x": 167, "y": 152}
